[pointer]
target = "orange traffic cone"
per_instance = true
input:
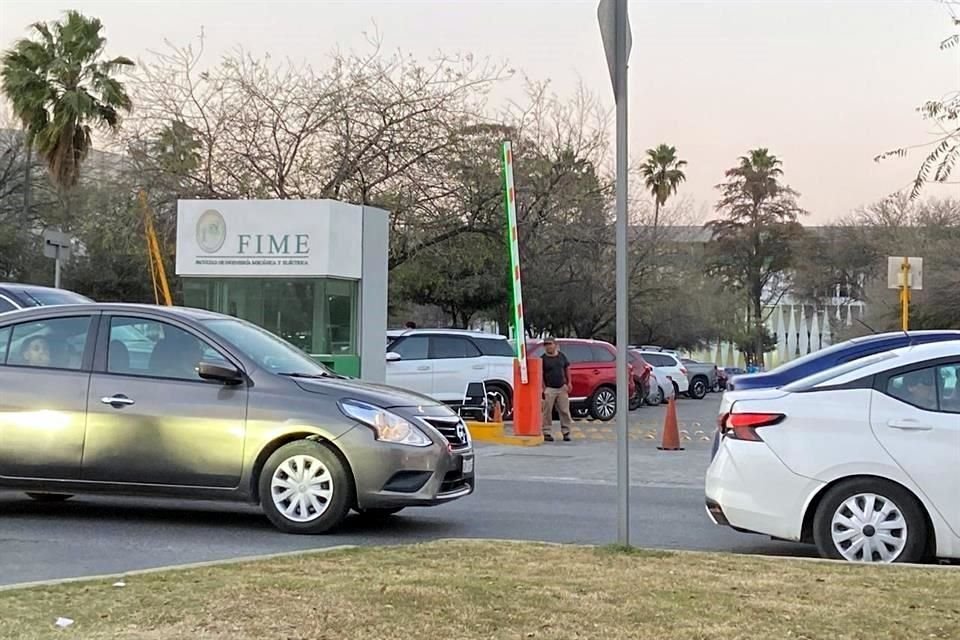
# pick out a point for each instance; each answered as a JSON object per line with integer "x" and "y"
{"x": 497, "y": 412}
{"x": 671, "y": 433}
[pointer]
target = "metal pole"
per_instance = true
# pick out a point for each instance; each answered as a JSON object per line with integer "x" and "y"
{"x": 56, "y": 267}
{"x": 905, "y": 294}
{"x": 623, "y": 397}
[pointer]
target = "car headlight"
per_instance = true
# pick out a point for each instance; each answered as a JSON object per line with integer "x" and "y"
{"x": 388, "y": 426}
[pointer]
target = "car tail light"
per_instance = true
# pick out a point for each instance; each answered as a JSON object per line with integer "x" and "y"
{"x": 743, "y": 426}
{"x": 683, "y": 370}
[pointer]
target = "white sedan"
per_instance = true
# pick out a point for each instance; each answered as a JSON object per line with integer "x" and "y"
{"x": 863, "y": 460}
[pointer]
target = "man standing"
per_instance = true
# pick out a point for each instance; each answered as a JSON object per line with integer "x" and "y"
{"x": 556, "y": 390}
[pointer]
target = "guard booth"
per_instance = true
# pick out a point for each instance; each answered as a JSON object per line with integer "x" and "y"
{"x": 313, "y": 272}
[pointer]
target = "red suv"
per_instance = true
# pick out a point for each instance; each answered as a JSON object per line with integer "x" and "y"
{"x": 593, "y": 375}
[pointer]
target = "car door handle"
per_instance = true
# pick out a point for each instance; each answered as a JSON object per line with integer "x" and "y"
{"x": 426, "y": 368}
{"x": 909, "y": 425}
{"x": 118, "y": 400}
{"x": 479, "y": 366}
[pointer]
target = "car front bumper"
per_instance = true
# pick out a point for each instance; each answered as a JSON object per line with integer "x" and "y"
{"x": 391, "y": 475}
{"x": 749, "y": 489}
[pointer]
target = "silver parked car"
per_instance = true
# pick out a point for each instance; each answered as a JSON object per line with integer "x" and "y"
{"x": 162, "y": 401}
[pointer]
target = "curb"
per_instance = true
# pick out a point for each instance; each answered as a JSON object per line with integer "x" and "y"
{"x": 177, "y": 567}
{"x": 513, "y": 541}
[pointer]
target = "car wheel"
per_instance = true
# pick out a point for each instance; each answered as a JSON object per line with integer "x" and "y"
{"x": 870, "y": 520}
{"x": 378, "y": 514}
{"x": 636, "y": 400}
{"x": 305, "y": 488}
{"x": 656, "y": 399}
{"x": 698, "y": 388}
{"x": 49, "y": 497}
{"x": 498, "y": 393}
{"x": 603, "y": 404}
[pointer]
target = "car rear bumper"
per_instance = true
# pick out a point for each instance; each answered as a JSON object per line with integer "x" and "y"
{"x": 748, "y": 488}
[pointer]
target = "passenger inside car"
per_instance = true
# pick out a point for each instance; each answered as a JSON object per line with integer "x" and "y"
{"x": 35, "y": 352}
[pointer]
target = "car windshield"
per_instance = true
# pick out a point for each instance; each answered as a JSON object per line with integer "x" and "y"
{"x": 267, "y": 350}
{"x": 50, "y": 297}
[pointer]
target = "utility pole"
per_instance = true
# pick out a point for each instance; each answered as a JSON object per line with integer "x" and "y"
{"x": 615, "y": 31}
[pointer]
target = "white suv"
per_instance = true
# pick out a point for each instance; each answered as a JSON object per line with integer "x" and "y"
{"x": 665, "y": 362}
{"x": 440, "y": 363}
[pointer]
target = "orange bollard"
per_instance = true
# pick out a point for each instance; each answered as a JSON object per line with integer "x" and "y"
{"x": 497, "y": 412}
{"x": 528, "y": 399}
{"x": 671, "y": 432}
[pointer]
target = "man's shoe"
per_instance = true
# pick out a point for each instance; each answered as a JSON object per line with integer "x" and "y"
{"x": 566, "y": 437}
{"x": 547, "y": 437}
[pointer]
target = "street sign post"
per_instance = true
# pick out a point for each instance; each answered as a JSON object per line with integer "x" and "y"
{"x": 617, "y": 42}
{"x": 56, "y": 245}
{"x": 906, "y": 274}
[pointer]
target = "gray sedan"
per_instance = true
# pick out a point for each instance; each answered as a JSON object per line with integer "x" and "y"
{"x": 161, "y": 401}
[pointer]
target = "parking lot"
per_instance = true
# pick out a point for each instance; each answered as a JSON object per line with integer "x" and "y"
{"x": 562, "y": 492}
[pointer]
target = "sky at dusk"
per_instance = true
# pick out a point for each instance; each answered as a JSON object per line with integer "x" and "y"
{"x": 825, "y": 85}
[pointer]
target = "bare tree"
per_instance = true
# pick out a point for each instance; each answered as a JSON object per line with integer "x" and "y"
{"x": 368, "y": 128}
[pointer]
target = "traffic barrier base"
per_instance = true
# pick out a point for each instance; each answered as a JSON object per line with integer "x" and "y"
{"x": 494, "y": 433}
{"x": 528, "y": 399}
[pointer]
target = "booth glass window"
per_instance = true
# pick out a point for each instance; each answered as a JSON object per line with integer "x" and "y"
{"x": 318, "y": 315}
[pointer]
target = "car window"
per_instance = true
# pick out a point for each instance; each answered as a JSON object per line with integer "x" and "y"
{"x": 447, "y": 347}
{"x": 918, "y": 388}
{"x": 50, "y": 297}
{"x": 56, "y": 343}
{"x": 659, "y": 360}
{"x": 948, "y": 387}
{"x": 6, "y": 305}
{"x": 577, "y": 351}
{"x": 412, "y": 348}
{"x": 494, "y": 347}
{"x": 143, "y": 347}
{"x": 266, "y": 349}
{"x": 601, "y": 354}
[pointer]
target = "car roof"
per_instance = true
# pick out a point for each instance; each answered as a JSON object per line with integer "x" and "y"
{"x": 559, "y": 340}
{"x": 483, "y": 335}
{"x": 22, "y": 287}
{"x": 68, "y": 309}
{"x": 893, "y": 359}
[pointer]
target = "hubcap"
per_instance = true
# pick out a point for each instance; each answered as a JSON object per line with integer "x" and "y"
{"x": 606, "y": 404}
{"x": 699, "y": 389}
{"x": 869, "y": 528}
{"x": 301, "y": 488}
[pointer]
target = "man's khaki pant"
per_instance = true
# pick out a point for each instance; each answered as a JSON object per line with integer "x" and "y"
{"x": 560, "y": 399}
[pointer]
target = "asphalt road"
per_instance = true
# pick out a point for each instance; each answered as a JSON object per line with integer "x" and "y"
{"x": 557, "y": 493}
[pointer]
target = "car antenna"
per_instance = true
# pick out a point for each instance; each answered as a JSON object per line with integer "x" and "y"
{"x": 871, "y": 329}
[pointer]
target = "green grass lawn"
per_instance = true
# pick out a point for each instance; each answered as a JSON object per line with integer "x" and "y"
{"x": 474, "y": 590}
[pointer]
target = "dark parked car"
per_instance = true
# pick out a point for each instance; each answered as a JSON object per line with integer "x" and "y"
{"x": 22, "y": 296}
{"x": 146, "y": 400}
{"x": 837, "y": 354}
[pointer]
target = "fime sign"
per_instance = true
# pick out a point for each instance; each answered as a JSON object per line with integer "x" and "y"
{"x": 270, "y": 244}
{"x": 212, "y": 235}
{"x": 267, "y": 237}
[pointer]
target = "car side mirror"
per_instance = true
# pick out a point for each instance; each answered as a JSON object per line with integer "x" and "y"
{"x": 393, "y": 356}
{"x": 219, "y": 373}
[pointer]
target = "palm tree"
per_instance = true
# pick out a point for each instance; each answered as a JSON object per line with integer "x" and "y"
{"x": 663, "y": 173}
{"x": 59, "y": 87}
